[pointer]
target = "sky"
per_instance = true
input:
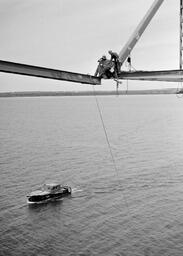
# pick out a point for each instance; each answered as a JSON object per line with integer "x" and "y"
{"x": 73, "y": 34}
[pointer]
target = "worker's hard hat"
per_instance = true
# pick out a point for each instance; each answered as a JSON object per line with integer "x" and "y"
{"x": 110, "y": 51}
{"x": 104, "y": 57}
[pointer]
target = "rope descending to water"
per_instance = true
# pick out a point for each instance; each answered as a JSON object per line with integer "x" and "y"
{"x": 109, "y": 145}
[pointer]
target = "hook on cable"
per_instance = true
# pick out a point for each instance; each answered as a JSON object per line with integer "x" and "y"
{"x": 118, "y": 82}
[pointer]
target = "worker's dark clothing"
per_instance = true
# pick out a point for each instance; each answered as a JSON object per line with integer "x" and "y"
{"x": 99, "y": 67}
{"x": 114, "y": 55}
{"x": 115, "y": 59}
{"x": 103, "y": 69}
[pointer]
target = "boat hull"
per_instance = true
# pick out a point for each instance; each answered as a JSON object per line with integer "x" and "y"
{"x": 39, "y": 199}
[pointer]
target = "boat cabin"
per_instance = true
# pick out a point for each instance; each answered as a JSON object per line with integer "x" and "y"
{"x": 52, "y": 188}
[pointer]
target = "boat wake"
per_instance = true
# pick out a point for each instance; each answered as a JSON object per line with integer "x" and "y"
{"x": 76, "y": 190}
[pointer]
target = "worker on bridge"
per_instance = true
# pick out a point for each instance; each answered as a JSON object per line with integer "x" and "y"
{"x": 109, "y": 68}
{"x": 104, "y": 67}
{"x": 116, "y": 61}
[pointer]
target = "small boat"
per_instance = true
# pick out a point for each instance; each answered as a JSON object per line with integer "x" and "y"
{"x": 49, "y": 192}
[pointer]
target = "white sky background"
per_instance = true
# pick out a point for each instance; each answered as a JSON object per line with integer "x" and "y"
{"x": 73, "y": 34}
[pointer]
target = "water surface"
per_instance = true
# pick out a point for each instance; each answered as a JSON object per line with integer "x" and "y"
{"x": 135, "y": 209}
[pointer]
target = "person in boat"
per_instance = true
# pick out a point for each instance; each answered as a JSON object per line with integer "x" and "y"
{"x": 117, "y": 64}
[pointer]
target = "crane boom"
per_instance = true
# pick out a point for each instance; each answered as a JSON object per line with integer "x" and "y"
{"x": 125, "y": 52}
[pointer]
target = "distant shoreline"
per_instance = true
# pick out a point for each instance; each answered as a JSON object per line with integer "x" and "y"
{"x": 87, "y": 93}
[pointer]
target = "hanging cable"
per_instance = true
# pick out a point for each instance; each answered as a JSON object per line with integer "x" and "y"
{"x": 129, "y": 63}
{"x": 117, "y": 85}
{"x": 109, "y": 146}
{"x": 179, "y": 92}
{"x": 127, "y": 87}
{"x": 129, "y": 66}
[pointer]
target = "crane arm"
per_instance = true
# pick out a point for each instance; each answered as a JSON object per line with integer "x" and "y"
{"x": 125, "y": 52}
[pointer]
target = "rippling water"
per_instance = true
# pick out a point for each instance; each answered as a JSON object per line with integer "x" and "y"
{"x": 134, "y": 210}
